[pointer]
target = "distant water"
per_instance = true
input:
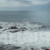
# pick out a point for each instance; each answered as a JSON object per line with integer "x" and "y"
{"x": 20, "y": 16}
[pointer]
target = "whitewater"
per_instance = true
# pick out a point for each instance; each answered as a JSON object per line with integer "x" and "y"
{"x": 26, "y": 36}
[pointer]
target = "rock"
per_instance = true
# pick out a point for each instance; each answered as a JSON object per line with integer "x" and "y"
{"x": 14, "y": 31}
{"x": 43, "y": 27}
{"x": 0, "y": 27}
{"x": 5, "y": 29}
{"x": 23, "y": 29}
{"x": 9, "y": 47}
{"x": 32, "y": 48}
{"x": 2, "y": 48}
{"x": 5, "y": 46}
{"x": 13, "y": 48}
{"x": 13, "y": 27}
{"x": 16, "y": 47}
{"x": 45, "y": 48}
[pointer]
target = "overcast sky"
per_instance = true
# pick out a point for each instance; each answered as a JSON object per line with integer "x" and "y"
{"x": 25, "y": 5}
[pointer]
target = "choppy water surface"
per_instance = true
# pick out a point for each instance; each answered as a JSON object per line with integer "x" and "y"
{"x": 24, "y": 31}
{"x": 34, "y": 16}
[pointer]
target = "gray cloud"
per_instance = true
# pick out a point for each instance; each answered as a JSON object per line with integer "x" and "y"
{"x": 34, "y": 2}
{"x": 25, "y": 4}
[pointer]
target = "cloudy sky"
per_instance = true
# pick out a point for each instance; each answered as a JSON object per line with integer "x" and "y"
{"x": 25, "y": 5}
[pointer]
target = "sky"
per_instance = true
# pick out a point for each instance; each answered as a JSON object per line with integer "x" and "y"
{"x": 24, "y": 5}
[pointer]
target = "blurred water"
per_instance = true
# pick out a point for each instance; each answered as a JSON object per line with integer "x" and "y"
{"x": 19, "y": 16}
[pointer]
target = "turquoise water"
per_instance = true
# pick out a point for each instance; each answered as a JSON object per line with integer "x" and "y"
{"x": 19, "y": 16}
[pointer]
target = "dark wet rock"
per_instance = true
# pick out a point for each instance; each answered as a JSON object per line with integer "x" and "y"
{"x": 2, "y": 48}
{"x": 5, "y": 46}
{"x": 16, "y": 47}
{"x": 43, "y": 27}
{"x": 5, "y": 29}
{"x": 32, "y": 48}
{"x": 0, "y": 27}
{"x": 23, "y": 29}
{"x": 13, "y": 48}
{"x": 9, "y": 47}
{"x": 13, "y": 27}
{"x": 45, "y": 48}
{"x": 14, "y": 31}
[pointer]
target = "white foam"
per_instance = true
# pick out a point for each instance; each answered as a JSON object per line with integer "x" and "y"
{"x": 28, "y": 37}
{"x": 26, "y": 25}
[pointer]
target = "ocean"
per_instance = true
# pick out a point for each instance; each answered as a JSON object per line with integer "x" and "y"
{"x": 24, "y": 30}
{"x": 20, "y": 16}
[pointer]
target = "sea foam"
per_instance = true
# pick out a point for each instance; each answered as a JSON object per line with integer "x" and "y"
{"x": 35, "y": 35}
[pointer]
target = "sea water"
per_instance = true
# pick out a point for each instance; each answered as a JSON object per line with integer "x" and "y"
{"x": 31, "y": 32}
{"x": 33, "y": 16}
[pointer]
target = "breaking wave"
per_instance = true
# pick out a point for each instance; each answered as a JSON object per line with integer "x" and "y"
{"x": 24, "y": 36}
